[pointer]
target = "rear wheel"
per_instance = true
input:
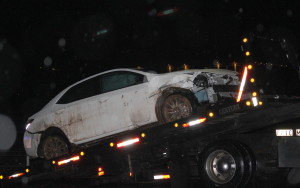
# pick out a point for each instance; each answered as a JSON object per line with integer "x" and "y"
{"x": 175, "y": 107}
{"x": 54, "y": 146}
{"x": 226, "y": 165}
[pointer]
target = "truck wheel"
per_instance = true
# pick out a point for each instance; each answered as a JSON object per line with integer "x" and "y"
{"x": 54, "y": 146}
{"x": 226, "y": 165}
{"x": 175, "y": 107}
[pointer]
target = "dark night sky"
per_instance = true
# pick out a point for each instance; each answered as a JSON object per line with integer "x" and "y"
{"x": 47, "y": 45}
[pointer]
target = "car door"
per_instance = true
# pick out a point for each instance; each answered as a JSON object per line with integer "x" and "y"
{"x": 104, "y": 105}
{"x": 76, "y": 111}
{"x": 124, "y": 102}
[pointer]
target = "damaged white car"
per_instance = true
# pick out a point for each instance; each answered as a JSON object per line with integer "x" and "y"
{"x": 120, "y": 100}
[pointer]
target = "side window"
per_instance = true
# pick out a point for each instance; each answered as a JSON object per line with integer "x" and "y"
{"x": 118, "y": 80}
{"x": 80, "y": 91}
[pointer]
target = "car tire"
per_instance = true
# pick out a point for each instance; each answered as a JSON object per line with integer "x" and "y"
{"x": 54, "y": 146}
{"x": 176, "y": 106}
{"x": 226, "y": 165}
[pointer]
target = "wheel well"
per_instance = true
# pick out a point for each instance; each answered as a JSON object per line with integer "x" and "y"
{"x": 52, "y": 131}
{"x": 170, "y": 91}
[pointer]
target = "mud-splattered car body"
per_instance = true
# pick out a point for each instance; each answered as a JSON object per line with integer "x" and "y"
{"x": 119, "y": 100}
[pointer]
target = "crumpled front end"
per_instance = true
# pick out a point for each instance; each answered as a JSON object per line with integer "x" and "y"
{"x": 211, "y": 87}
{"x": 31, "y": 143}
{"x": 208, "y": 85}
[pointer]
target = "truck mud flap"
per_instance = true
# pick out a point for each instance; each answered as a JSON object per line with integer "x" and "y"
{"x": 289, "y": 152}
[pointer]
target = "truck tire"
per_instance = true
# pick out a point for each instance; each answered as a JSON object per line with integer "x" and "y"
{"x": 54, "y": 146}
{"x": 175, "y": 107}
{"x": 226, "y": 164}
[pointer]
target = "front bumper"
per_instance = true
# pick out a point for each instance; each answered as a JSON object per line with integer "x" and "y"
{"x": 31, "y": 142}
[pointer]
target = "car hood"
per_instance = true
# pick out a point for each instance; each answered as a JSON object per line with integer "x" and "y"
{"x": 185, "y": 79}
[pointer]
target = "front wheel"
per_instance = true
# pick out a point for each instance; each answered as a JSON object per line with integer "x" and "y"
{"x": 175, "y": 107}
{"x": 226, "y": 165}
{"x": 54, "y": 146}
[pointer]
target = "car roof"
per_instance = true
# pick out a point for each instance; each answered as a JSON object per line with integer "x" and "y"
{"x": 53, "y": 100}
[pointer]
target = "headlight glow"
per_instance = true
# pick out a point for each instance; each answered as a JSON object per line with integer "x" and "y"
{"x": 28, "y": 123}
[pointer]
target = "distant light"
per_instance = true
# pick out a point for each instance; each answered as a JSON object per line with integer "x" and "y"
{"x": 82, "y": 153}
{"x": 252, "y": 80}
{"x": 185, "y": 67}
{"x": 1, "y": 177}
{"x": 111, "y": 144}
{"x": 27, "y": 170}
{"x": 250, "y": 67}
{"x": 176, "y": 124}
{"x": 53, "y": 162}
{"x": 254, "y": 94}
{"x": 260, "y": 103}
{"x": 234, "y": 65}
{"x": 245, "y": 40}
{"x": 170, "y": 68}
{"x": 211, "y": 114}
{"x": 101, "y": 32}
{"x": 167, "y": 12}
{"x": 247, "y": 53}
{"x": 61, "y": 42}
{"x": 143, "y": 135}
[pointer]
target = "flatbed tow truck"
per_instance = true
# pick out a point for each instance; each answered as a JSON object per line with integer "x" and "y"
{"x": 228, "y": 146}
